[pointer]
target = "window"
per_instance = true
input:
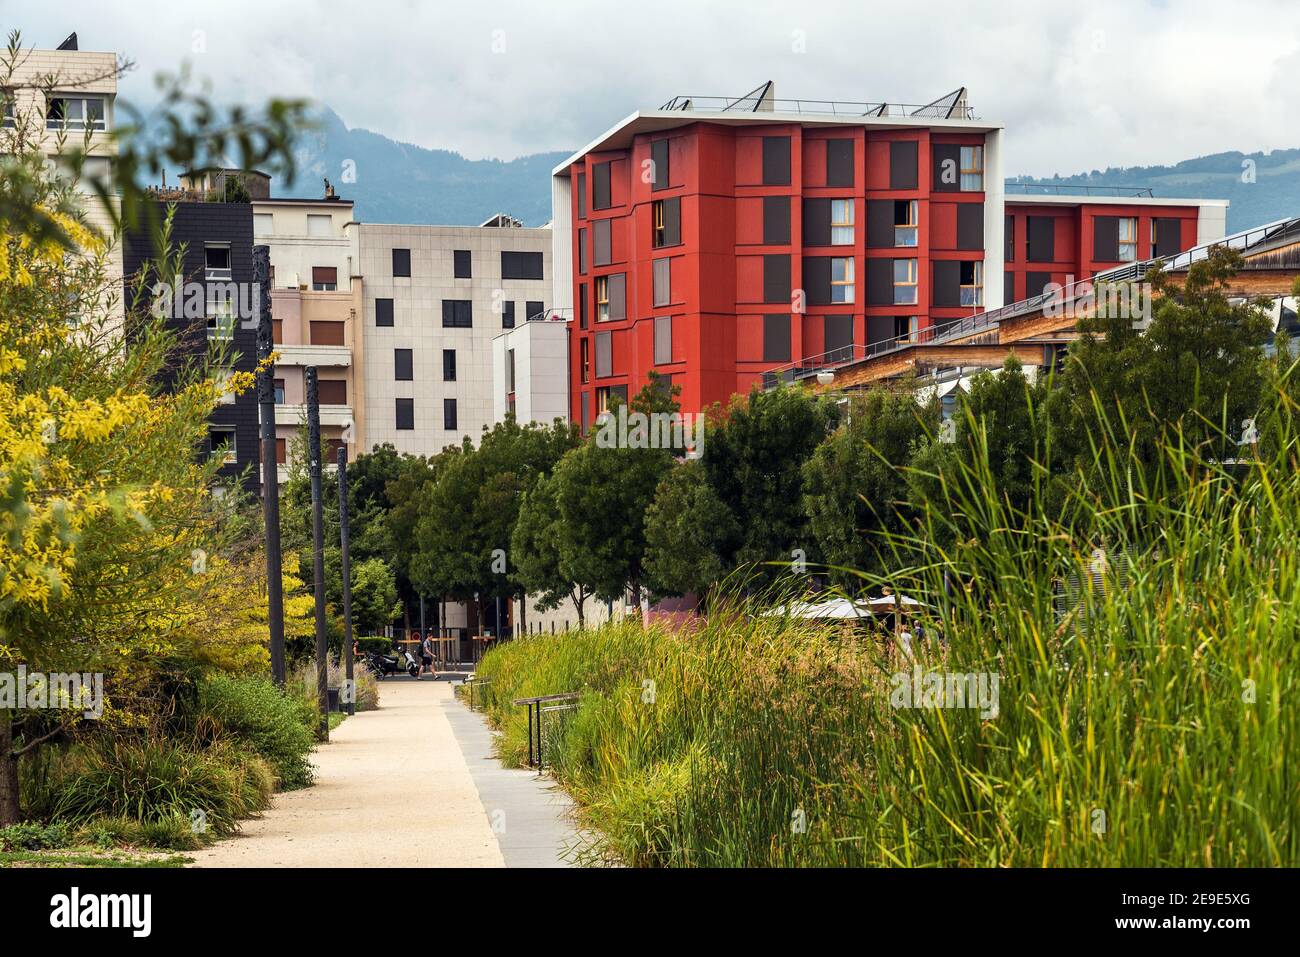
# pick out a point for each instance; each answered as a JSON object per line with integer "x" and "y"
{"x": 837, "y": 337}
{"x": 905, "y": 282}
{"x": 604, "y": 354}
{"x": 449, "y": 414}
{"x": 601, "y": 241}
{"x": 332, "y": 392}
{"x": 1128, "y": 235}
{"x": 278, "y": 387}
{"x": 78, "y": 113}
{"x": 776, "y": 278}
{"x": 405, "y": 415}
{"x": 582, "y": 195}
{"x": 521, "y": 265}
{"x": 841, "y": 222}
{"x": 402, "y": 263}
{"x": 8, "y": 98}
{"x": 663, "y": 340}
{"x": 662, "y": 282}
{"x": 584, "y": 359}
{"x": 457, "y": 314}
{"x": 263, "y": 224}
{"x": 776, "y": 220}
{"x": 972, "y": 284}
{"x": 281, "y": 451}
{"x": 776, "y": 161}
{"x": 510, "y": 371}
{"x": 667, "y": 222}
{"x": 582, "y": 306}
{"x": 970, "y": 226}
{"x": 905, "y": 222}
{"x": 216, "y": 261}
{"x": 221, "y": 441}
{"x": 319, "y": 226}
{"x": 902, "y": 164}
{"x": 383, "y": 312}
{"x": 324, "y": 278}
{"x": 842, "y": 289}
{"x": 839, "y": 162}
{"x": 1040, "y": 239}
{"x": 602, "y": 299}
{"x": 972, "y": 168}
{"x": 534, "y": 308}
{"x": 907, "y": 326}
{"x": 659, "y": 164}
{"x": 403, "y": 365}
{"x": 1009, "y": 228}
{"x": 600, "y": 192}
{"x": 582, "y": 251}
{"x": 776, "y": 338}
{"x": 221, "y": 318}
{"x": 508, "y": 314}
{"x": 1166, "y": 236}
{"x": 448, "y": 365}
{"x": 460, "y": 264}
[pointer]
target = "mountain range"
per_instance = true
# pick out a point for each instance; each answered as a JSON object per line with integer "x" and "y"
{"x": 394, "y": 182}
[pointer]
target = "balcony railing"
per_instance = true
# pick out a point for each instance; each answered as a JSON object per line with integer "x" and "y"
{"x": 839, "y": 108}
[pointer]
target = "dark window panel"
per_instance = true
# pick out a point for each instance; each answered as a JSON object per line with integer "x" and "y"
{"x": 947, "y": 167}
{"x": 947, "y": 282}
{"x": 402, "y": 262}
{"x": 448, "y": 365}
{"x": 582, "y": 251}
{"x": 604, "y": 354}
{"x": 1040, "y": 239}
{"x": 817, "y": 279}
{"x": 662, "y": 284}
{"x": 776, "y": 161}
{"x": 1009, "y": 230}
{"x": 460, "y": 264}
{"x": 1008, "y": 288}
{"x": 617, "y": 289}
{"x": 1105, "y": 238}
{"x": 776, "y": 338}
{"x": 602, "y": 252}
{"x": 880, "y": 282}
{"x": 838, "y": 337}
{"x": 880, "y": 328}
{"x": 405, "y": 414}
{"x": 534, "y": 307}
{"x": 521, "y": 265}
{"x": 776, "y": 220}
{"x": 776, "y": 278}
{"x": 1035, "y": 283}
{"x": 1169, "y": 237}
{"x": 457, "y": 313}
{"x": 902, "y": 164}
{"x": 600, "y": 192}
{"x": 582, "y": 306}
{"x": 659, "y": 155}
{"x": 970, "y": 225}
{"x": 582, "y": 195}
{"x": 383, "y": 312}
{"x": 880, "y": 223}
{"x": 403, "y": 365}
{"x": 663, "y": 340}
{"x": 816, "y": 222}
{"x": 839, "y": 162}
{"x": 508, "y": 314}
{"x": 449, "y": 415}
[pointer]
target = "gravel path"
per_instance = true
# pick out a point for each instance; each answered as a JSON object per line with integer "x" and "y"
{"x": 392, "y": 790}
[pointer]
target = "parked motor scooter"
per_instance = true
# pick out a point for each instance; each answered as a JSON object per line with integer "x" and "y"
{"x": 385, "y": 665}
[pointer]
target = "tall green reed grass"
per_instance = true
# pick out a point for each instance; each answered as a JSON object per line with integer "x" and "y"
{"x": 1143, "y": 626}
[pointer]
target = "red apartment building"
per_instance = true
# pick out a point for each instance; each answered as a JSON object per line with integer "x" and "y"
{"x": 715, "y": 240}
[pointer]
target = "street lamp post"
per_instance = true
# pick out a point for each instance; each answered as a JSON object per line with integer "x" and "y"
{"x": 349, "y": 685}
{"x": 270, "y": 476}
{"x": 318, "y": 549}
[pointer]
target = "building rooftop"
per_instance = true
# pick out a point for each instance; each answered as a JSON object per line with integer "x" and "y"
{"x": 952, "y": 111}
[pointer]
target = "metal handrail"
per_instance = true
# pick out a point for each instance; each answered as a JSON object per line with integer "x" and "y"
{"x": 1060, "y": 189}
{"x": 845, "y": 108}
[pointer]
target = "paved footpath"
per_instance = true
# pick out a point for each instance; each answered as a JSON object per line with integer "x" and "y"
{"x": 410, "y": 785}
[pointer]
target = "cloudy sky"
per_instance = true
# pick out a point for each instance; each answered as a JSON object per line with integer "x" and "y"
{"x": 1079, "y": 86}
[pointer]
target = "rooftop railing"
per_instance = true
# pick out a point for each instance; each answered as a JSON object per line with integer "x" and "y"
{"x": 836, "y": 108}
{"x": 1067, "y": 189}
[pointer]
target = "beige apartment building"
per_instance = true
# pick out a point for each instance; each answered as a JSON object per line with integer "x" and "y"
{"x": 316, "y": 299}
{"x": 65, "y": 99}
{"x": 435, "y": 299}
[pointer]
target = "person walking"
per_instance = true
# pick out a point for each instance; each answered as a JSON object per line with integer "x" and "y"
{"x": 426, "y": 655}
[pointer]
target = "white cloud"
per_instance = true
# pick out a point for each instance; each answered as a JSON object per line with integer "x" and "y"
{"x": 1078, "y": 86}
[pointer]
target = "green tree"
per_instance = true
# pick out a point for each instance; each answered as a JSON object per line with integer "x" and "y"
{"x": 855, "y": 482}
{"x": 537, "y": 548}
{"x": 687, "y": 530}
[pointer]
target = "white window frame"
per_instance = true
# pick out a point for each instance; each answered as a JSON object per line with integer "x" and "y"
{"x": 905, "y": 235}
{"x": 902, "y": 295}
{"x": 1127, "y": 247}
{"x": 79, "y": 124}
{"x": 972, "y": 169}
{"x": 843, "y": 289}
{"x": 842, "y": 222}
{"x": 216, "y": 274}
{"x": 973, "y": 295}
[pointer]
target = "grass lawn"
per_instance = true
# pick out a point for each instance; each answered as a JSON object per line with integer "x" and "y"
{"x": 87, "y": 856}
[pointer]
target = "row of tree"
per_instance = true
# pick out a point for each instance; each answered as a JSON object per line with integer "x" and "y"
{"x": 789, "y": 478}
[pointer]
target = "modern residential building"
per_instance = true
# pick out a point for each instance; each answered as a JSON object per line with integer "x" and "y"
{"x": 217, "y": 238}
{"x": 715, "y": 240}
{"x": 316, "y": 302}
{"x": 64, "y": 99}
{"x": 435, "y": 299}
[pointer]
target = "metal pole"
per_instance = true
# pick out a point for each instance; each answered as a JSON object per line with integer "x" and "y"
{"x": 270, "y": 470}
{"x": 419, "y": 651}
{"x": 345, "y": 541}
{"x": 318, "y": 549}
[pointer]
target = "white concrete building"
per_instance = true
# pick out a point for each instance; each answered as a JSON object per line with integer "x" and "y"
{"x": 530, "y": 371}
{"x": 435, "y": 299}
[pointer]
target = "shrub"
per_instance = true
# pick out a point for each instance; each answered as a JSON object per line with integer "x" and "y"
{"x": 367, "y": 686}
{"x": 276, "y": 725}
{"x": 32, "y": 836}
{"x": 161, "y": 785}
